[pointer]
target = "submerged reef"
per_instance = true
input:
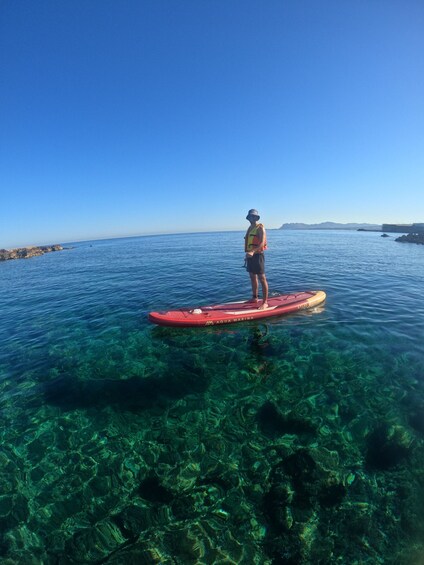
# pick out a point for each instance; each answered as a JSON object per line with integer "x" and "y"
{"x": 27, "y": 252}
{"x": 238, "y": 447}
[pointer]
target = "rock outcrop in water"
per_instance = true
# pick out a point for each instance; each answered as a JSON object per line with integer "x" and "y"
{"x": 27, "y": 252}
{"x": 411, "y": 238}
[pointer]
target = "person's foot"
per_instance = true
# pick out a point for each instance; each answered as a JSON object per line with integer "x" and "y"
{"x": 254, "y": 299}
{"x": 263, "y": 306}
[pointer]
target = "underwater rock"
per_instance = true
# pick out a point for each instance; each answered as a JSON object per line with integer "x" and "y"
{"x": 292, "y": 483}
{"x": 183, "y": 507}
{"x": 346, "y": 412}
{"x": 13, "y": 511}
{"x": 70, "y": 393}
{"x": 197, "y": 543}
{"x": 300, "y": 466}
{"x": 6, "y": 505}
{"x": 23, "y": 546}
{"x": 359, "y": 517}
{"x": 284, "y": 550}
{"x": 100, "y": 484}
{"x": 132, "y": 521}
{"x": 217, "y": 483}
{"x": 416, "y": 420}
{"x": 138, "y": 554}
{"x": 332, "y": 495}
{"x": 259, "y": 345}
{"x": 94, "y": 544}
{"x": 11, "y": 473}
{"x": 302, "y": 485}
{"x": 190, "y": 543}
{"x": 216, "y": 491}
{"x": 150, "y": 489}
{"x": 36, "y": 450}
{"x": 273, "y": 424}
{"x": 276, "y": 507}
{"x": 187, "y": 476}
{"x": 387, "y": 447}
{"x": 411, "y": 497}
{"x": 326, "y": 460}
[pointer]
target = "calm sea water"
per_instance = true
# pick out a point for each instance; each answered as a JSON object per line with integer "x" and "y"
{"x": 300, "y": 440}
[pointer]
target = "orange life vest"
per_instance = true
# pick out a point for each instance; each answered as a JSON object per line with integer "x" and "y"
{"x": 251, "y": 240}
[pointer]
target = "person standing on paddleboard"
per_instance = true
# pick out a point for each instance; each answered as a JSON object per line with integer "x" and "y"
{"x": 254, "y": 246}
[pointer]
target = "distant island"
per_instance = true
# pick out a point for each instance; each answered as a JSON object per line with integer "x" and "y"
{"x": 27, "y": 252}
{"x": 331, "y": 226}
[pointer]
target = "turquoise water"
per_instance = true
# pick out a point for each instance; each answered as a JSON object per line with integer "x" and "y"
{"x": 296, "y": 441}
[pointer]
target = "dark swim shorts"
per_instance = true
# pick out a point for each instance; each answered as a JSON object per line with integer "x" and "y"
{"x": 256, "y": 264}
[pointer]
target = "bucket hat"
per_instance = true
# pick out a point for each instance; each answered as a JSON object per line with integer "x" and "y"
{"x": 252, "y": 213}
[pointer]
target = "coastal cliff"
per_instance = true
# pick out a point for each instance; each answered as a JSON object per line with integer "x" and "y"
{"x": 331, "y": 226}
{"x": 27, "y": 252}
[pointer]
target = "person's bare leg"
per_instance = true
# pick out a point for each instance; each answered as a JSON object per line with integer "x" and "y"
{"x": 255, "y": 287}
{"x": 264, "y": 285}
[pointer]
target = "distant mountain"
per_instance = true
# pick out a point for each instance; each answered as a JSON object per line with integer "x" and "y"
{"x": 330, "y": 226}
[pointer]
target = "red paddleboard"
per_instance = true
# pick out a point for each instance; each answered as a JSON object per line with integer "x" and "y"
{"x": 238, "y": 311}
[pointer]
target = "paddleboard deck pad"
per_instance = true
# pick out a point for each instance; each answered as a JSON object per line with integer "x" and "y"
{"x": 238, "y": 311}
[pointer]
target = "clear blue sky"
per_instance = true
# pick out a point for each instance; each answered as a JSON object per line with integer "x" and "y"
{"x": 134, "y": 116}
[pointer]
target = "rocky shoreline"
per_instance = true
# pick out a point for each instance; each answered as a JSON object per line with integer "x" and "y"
{"x": 27, "y": 252}
{"x": 411, "y": 238}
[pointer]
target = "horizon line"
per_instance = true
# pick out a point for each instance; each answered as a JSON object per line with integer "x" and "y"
{"x": 183, "y": 232}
